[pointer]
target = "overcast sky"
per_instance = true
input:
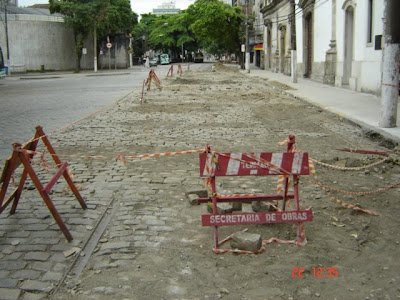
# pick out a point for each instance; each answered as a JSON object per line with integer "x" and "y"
{"x": 138, "y": 6}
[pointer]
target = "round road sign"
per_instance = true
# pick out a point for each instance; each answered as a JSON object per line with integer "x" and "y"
{"x": 109, "y": 45}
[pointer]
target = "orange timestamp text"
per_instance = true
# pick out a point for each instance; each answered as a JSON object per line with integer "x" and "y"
{"x": 317, "y": 272}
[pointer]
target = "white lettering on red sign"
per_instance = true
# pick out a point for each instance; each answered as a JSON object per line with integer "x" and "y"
{"x": 294, "y": 216}
{"x": 270, "y": 217}
{"x": 227, "y": 219}
{"x": 257, "y": 218}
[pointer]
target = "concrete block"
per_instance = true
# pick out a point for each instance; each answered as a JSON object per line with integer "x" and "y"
{"x": 246, "y": 241}
{"x": 260, "y": 206}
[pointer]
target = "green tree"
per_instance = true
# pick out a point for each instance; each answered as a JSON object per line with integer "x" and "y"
{"x": 84, "y": 16}
{"x": 216, "y": 25}
{"x": 169, "y": 33}
{"x": 80, "y": 15}
{"x": 118, "y": 19}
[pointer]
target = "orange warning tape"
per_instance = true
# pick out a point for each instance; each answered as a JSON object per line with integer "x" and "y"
{"x": 124, "y": 157}
{"x": 326, "y": 189}
{"x": 351, "y": 168}
{"x": 336, "y": 200}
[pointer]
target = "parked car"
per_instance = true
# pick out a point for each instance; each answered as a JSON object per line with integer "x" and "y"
{"x": 198, "y": 57}
{"x": 153, "y": 62}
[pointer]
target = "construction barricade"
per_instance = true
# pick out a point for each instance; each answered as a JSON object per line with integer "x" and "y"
{"x": 151, "y": 77}
{"x": 23, "y": 155}
{"x": 289, "y": 164}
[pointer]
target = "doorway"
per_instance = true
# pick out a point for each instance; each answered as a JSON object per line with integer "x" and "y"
{"x": 269, "y": 41}
{"x": 348, "y": 45}
{"x": 282, "y": 48}
{"x": 308, "y": 42}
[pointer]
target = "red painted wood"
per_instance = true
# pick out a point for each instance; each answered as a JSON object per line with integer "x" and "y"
{"x": 227, "y": 165}
{"x": 257, "y": 218}
{"x": 55, "y": 178}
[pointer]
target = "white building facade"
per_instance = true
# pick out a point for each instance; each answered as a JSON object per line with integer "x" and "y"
{"x": 338, "y": 41}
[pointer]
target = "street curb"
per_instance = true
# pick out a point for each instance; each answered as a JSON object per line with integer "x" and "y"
{"x": 66, "y": 75}
{"x": 389, "y": 140}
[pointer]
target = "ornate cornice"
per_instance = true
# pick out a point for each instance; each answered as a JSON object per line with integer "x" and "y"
{"x": 304, "y": 3}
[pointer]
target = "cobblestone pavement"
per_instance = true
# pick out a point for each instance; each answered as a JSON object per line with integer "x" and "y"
{"x": 139, "y": 209}
{"x": 35, "y": 256}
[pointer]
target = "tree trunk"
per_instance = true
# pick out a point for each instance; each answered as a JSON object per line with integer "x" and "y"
{"x": 78, "y": 51}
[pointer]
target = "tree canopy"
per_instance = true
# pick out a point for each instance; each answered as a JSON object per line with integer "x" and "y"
{"x": 207, "y": 24}
{"x": 216, "y": 24}
{"x": 84, "y": 16}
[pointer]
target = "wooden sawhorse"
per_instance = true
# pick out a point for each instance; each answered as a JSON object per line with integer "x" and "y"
{"x": 23, "y": 154}
{"x": 290, "y": 164}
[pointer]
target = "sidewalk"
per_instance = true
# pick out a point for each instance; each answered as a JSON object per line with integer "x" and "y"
{"x": 361, "y": 108}
{"x": 58, "y": 74}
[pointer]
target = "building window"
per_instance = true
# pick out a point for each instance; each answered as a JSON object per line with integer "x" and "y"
{"x": 370, "y": 18}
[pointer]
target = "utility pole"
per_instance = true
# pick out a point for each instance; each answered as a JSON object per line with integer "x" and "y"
{"x": 7, "y": 43}
{"x": 247, "y": 58}
{"x": 293, "y": 40}
{"x": 391, "y": 58}
{"x": 95, "y": 47}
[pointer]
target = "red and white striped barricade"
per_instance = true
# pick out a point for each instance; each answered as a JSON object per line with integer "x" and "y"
{"x": 290, "y": 164}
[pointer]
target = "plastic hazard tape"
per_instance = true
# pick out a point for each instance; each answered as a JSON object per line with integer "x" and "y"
{"x": 300, "y": 242}
{"x": 123, "y": 157}
{"x": 326, "y": 189}
{"x": 336, "y": 200}
{"x": 350, "y": 168}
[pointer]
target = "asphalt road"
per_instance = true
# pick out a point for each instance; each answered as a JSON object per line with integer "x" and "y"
{"x": 53, "y": 100}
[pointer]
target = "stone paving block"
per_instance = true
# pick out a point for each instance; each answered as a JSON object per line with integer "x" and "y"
{"x": 115, "y": 245}
{"x": 28, "y": 248}
{"x": 42, "y": 266}
{"x": 13, "y": 265}
{"x": 36, "y": 286}
{"x": 58, "y": 258}
{"x": 146, "y": 244}
{"x": 10, "y": 294}
{"x": 18, "y": 234}
{"x": 80, "y": 221}
{"x": 161, "y": 228}
{"x": 37, "y": 256}
{"x": 34, "y": 296}
{"x": 48, "y": 234}
{"x": 13, "y": 256}
{"x": 132, "y": 222}
{"x": 8, "y": 283}
{"x": 52, "y": 276}
{"x": 26, "y": 274}
{"x": 4, "y": 274}
{"x": 44, "y": 241}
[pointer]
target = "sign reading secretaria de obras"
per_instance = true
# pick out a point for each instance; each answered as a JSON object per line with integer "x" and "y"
{"x": 257, "y": 218}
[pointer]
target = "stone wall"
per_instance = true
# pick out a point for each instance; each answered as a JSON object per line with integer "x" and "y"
{"x": 38, "y": 42}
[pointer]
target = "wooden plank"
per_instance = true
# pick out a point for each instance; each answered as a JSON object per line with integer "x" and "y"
{"x": 2, "y": 208}
{"x": 250, "y": 198}
{"x": 254, "y": 164}
{"x": 55, "y": 178}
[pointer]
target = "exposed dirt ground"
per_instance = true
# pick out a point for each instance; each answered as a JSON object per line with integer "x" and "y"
{"x": 236, "y": 113}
